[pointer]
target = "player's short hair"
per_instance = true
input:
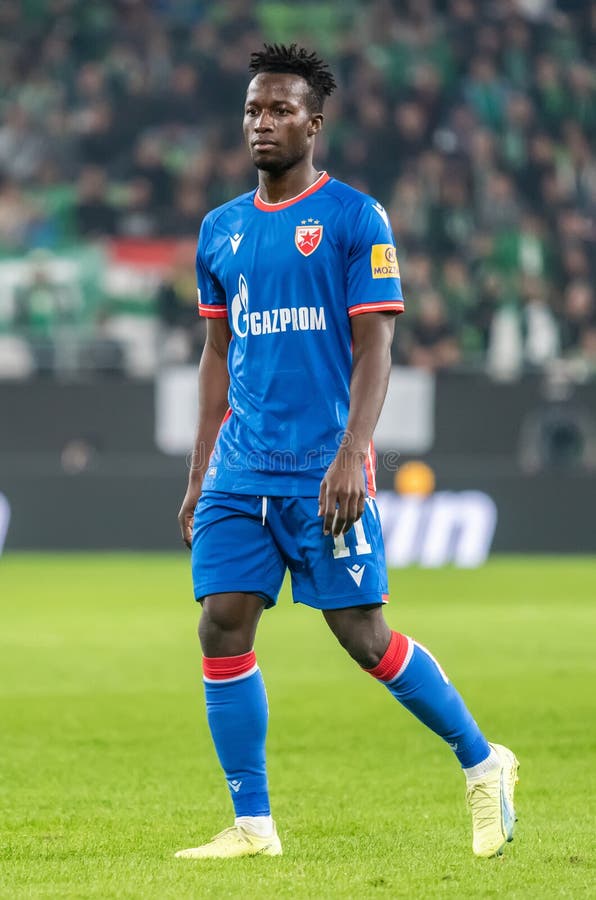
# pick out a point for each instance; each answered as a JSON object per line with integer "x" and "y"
{"x": 296, "y": 60}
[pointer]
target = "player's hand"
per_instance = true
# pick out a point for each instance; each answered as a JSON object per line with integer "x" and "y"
{"x": 342, "y": 494}
{"x": 187, "y": 514}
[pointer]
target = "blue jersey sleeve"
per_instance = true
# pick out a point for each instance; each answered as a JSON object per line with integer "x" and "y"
{"x": 373, "y": 282}
{"x": 212, "y": 298}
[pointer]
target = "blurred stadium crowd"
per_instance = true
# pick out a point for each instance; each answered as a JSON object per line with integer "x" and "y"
{"x": 474, "y": 123}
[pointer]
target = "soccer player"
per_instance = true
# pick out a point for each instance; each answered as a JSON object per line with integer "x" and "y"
{"x": 300, "y": 286}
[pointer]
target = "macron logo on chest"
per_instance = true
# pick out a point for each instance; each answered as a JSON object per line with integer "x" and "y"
{"x": 235, "y": 241}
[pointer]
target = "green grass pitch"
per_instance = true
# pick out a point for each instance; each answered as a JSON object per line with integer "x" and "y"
{"x": 106, "y": 767}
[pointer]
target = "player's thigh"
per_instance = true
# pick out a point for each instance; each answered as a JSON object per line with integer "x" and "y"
{"x": 333, "y": 573}
{"x": 233, "y": 552}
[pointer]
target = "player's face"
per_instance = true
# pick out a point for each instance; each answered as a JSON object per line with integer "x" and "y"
{"x": 279, "y": 128}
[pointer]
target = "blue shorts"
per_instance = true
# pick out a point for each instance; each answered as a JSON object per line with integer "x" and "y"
{"x": 245, "y": 543}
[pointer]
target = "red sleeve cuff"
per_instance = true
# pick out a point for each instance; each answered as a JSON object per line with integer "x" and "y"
{"x": 213, "y": 312}
{"x": 396, "y": 306}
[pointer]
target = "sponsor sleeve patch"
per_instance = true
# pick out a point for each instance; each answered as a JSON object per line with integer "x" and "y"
{"x": 383, "y": 261}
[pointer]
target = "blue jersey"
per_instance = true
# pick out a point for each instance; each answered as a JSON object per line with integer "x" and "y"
{"x": 288, "y": 276}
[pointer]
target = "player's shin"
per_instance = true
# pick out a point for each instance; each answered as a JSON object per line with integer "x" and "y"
{"x": 416, "y": 679}
{"x": 237, "y": 713}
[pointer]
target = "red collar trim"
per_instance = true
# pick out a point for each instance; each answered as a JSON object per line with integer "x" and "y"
{"x": 283, "y": 204}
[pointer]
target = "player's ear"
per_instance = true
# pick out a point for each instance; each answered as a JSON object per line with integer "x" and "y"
{"x": 315, "y": 124}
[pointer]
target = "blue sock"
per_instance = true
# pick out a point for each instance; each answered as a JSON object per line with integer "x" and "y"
{"x": 237, "y": 713}
{"x": 415, "y": 678}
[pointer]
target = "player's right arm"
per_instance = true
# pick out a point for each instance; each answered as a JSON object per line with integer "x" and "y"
{"x": 214, "y": 381}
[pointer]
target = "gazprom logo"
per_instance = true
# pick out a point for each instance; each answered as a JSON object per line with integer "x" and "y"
{"x": 273, "y": 321}
{"x": 240, "y": 308}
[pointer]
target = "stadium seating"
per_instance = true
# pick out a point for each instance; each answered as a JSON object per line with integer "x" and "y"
{"x": 111, "y": 131}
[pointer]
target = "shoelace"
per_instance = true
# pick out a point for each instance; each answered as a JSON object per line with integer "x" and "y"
{"x": 233, "y": 829}
{"x": 482, "y": 803}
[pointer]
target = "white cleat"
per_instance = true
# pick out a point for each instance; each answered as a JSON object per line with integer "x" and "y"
{"x": 233, "y": 842}
{"x": 490, "y": 800}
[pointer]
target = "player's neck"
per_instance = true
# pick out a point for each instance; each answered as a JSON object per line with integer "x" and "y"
{"x": 274, "y": 188}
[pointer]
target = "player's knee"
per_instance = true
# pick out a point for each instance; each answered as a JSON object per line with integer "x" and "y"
{"x": 363, "y": 651}
{"x": 364, "y": 636}
{"x": 361, "y": 647}
{"x": 226, "y": 631}
{"x": 220, "y": 638}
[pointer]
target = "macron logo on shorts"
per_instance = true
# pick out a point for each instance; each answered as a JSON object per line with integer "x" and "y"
{"x": 356, "y": 572}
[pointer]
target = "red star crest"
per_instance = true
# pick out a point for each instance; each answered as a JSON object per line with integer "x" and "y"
{"x": 308, "y": 236}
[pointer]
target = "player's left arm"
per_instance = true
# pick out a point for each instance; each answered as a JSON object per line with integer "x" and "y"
{"x": 342, "y": 494}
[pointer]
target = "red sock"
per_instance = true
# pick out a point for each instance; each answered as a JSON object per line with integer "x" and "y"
{"x": 393, "y": 659}
{"x": 229, "y": 668}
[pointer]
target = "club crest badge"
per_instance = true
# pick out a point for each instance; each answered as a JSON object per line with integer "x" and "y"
{"x": 308, "y": 236}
